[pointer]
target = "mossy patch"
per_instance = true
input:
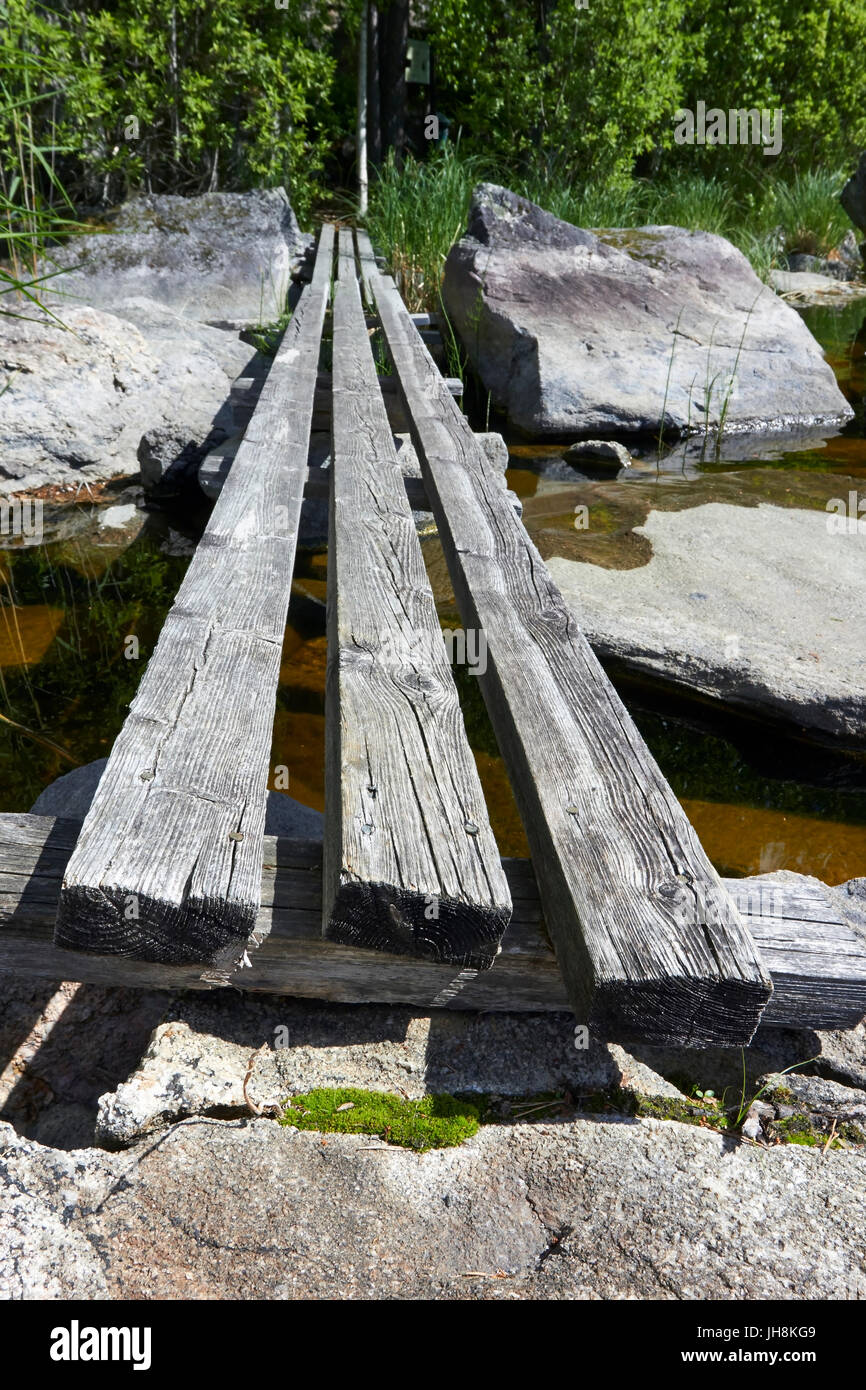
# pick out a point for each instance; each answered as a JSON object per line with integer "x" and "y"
{"x": 434, "y": 1122}
{"x": 442, "y": 1121}
{"x": 814, "y": 1131}
{"x": 780, "y": 1095}
{"x": 689, "y": 1112}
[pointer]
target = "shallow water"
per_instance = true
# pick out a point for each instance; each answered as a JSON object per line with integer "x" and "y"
{"x": 758, "y": 800}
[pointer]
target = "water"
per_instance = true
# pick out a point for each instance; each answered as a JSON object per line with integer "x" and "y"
{"x": 759, "y": 799}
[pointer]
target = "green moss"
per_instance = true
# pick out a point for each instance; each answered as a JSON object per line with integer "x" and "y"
{"x": 441, "y": 1121}
{"x": 780, "y": 1095}
{"x": 689, "y": 1112}
{"x": 803, "y": 1129}
{"x": 434, "y": 1122}
{"x": 797, "y": 1129}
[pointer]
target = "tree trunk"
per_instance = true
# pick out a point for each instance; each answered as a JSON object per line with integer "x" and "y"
{"x": 395, "y": 37}
{"x": 374, "y": 112}
{"x": 175, "y": 83}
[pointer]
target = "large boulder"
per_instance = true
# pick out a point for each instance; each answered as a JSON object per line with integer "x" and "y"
{"x": 221, "y": 257}
{"x": 80, "y": 390}
{"x": 576, "y": 333}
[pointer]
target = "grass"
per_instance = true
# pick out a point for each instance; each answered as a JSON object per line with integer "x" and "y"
{"x": 266, "y": 337}
{"x": 416, "y": 214}
{"x": 418, "y": 211}
{"x": 34, "y": 207}
{"x": 808, "y": 211}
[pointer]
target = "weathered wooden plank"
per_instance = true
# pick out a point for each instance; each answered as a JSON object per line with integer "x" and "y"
{"x": 168, "y": 863}
{"x": 649, "y": 943}
{"x": 818, "y": 958}
{"x": 411, "y": 865}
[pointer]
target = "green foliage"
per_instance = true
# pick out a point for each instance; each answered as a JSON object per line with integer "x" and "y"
{"x": 586, "y": 93}
{"x": 266, "y": 337}
{"x": 803, "y": 58}
{"x": 178, "y": 95}
{"x": 33, "y": 202}
{"x": 434, "y": 1122}
{"x": 568, "y": 91}
{"x": 573, "y": 107}
{"x": 808, "y": 211}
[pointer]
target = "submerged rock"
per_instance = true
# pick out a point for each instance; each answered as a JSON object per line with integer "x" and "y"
{"x": 70, "y": 797}
{"x": 629, "y": 330}
{"x": 761, "y": 607}
{"x": 599, "y": 452}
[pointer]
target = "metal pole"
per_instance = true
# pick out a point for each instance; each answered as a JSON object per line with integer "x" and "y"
{"x": 362, "y": 114}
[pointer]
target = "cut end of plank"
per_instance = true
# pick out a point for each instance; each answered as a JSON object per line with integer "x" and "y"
{"x": 114, "y": 922}
{"x": 380, "y": 917}
{"x": 679, "y": 1012}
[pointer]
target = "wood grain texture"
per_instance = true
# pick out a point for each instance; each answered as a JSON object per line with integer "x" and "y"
{"x": 818, "y": 958}
{"x": 168, "y": 863}
{"x": 411, "y": 865}
{"x": 649, "y": 943}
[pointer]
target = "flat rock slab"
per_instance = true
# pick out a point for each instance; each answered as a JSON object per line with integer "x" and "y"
{"x": 219, "y": 257}
{"x": 805, "y": 287}
{"x": 586, "y": 1209}
{"x": 761, "y": 607}
{"x": 623, "y": 332}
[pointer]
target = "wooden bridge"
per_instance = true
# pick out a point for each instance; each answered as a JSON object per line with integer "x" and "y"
{"x": 171, "y": 881}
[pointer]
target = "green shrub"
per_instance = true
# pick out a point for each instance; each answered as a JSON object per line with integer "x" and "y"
{"x": 177, "y": 95}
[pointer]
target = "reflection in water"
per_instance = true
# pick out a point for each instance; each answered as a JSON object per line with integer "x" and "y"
{"x": 744, "y": 840}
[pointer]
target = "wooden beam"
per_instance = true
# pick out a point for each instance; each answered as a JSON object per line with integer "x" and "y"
{"x": 650, "y": 944}
{"x": 411, "y": 865}
{"x": 168, "y": 863}
{"x": 818, "y": 960}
